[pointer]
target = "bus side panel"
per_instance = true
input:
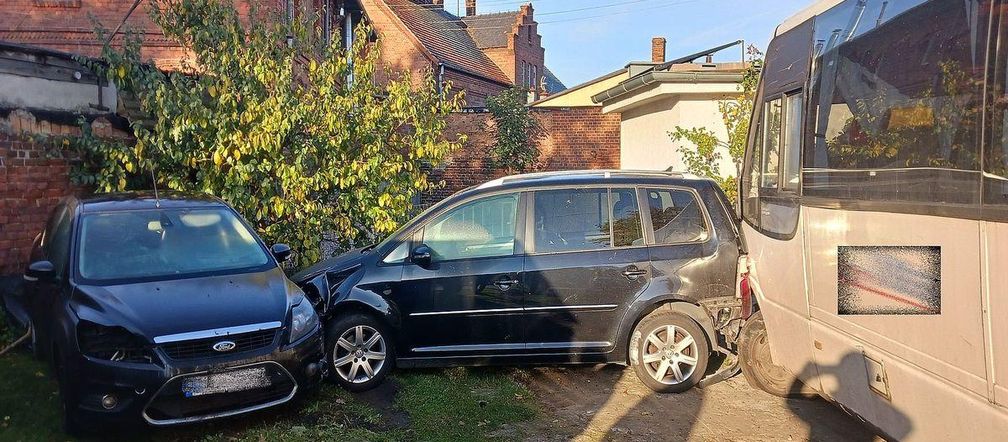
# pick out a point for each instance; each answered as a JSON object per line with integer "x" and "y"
{"x": 997, "y": 313}
{"x": 923, "y": 406}
{"x": 948, "y": 343}
{"x": 778, "y": 277}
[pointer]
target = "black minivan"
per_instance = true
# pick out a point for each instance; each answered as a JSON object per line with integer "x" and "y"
{"x": 570, "y": 267}
{"x": 167, "y": 309}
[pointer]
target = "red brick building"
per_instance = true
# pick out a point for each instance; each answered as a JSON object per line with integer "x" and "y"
{"x": 479, "y": 53}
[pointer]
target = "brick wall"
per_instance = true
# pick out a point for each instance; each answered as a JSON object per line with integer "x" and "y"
{"x": 573, "y": 138}
{"x": 524, "y": 45}
{"x": 476, "y": 89}
{"x": 32, "y": 180}
{"x": 30, "y": 185}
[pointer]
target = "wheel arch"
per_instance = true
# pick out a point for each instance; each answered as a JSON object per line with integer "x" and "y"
{"x": 669, "y": 303}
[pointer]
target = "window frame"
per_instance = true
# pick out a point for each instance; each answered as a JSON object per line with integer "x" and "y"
{"x": 649, "y": 238}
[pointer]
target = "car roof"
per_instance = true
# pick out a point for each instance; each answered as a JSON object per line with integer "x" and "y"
{"x": 585, "y": 177}
{"x": 142, "y": 200}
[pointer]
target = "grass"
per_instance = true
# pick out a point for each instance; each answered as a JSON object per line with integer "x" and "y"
{"x": 463, "y": 403}
{"x": 448, "y": 404}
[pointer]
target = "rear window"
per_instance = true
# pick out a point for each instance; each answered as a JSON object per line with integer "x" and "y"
{"x": 676, "y": 216}
{"x": 165, "y": 243}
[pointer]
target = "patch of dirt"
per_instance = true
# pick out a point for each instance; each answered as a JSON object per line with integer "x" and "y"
{"x": 608, "y": 402}
{"x": 382, "y": 399}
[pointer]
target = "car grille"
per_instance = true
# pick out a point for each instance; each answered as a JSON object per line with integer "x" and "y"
{"x": 172, "y": 406}
{"x": 203, "y": 348}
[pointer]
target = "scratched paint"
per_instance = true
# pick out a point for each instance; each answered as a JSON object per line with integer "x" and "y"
{"x": 889, "y": 280}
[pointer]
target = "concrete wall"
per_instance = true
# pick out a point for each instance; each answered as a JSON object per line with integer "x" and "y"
{"x": 644, "y": 132}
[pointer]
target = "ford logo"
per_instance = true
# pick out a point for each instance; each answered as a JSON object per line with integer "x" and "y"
{"x": 224, "y": 346}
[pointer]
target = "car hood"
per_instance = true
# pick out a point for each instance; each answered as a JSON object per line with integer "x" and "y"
{"x": 334, "y": 264}
{"x": 158, "y": 308}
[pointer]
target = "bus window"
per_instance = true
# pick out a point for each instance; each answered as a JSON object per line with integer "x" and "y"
{"x": 898, "y": 109}
{"x": 792, "y": 142}
{"x": 771, "y": 144}
{"x": 751, "y": 174}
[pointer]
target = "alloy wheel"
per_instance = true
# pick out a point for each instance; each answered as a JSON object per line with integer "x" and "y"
{"x": 670, "y": 354}
{"x": 359, "y": 354}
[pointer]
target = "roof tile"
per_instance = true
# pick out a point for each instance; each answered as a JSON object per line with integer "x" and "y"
{"x": 447, "y": 39}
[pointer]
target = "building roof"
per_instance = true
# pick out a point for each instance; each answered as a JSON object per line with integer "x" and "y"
{"x": 447, "y": 39}
{"x": 491, "y": 30}
{"x": 680, "y": 70}
{"x": 553, "y": 84}
{"x": 584, "y": 90}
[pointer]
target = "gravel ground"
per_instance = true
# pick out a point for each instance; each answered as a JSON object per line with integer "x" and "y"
{"x": 608, "y": 403}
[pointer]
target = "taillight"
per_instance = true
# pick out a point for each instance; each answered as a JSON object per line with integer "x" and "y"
{"x": 744, "y": 287}
{"x": 745, "y": 292}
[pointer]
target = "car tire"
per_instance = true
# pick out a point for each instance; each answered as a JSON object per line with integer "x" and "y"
{"x": 359, "y": 351}
{"x": 664, "y": 365}
{"x": 759, "y": 369}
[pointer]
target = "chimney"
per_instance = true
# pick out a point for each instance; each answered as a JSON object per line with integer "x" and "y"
{"x": 439, "y": 3}
{"x": 470, "y": 8}
{"x": 658, "y": 50}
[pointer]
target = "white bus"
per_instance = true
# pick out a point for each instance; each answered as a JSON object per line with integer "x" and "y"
{"x": 874, "y": 195}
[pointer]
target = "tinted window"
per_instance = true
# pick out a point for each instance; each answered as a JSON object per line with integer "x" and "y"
{"x": 751, "y": 179}
{"x": 996, "y": 157}
{"x": 626, "y": 223}
{"x": 675, "y": 216}
{"x": 897, "y": 100}
{"x": 571, "y": 219}
{"x": 771, "y": 143}
{"x": 791, "y": 168}
{"x": 482, "y": 228}
{"x": 165, "y": 243}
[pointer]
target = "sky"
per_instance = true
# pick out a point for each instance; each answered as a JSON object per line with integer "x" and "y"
{"x": 580, "y": 45}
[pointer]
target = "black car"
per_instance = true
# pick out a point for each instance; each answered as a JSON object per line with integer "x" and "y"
{"x": 542, "y": 268}
{"x": 168, "y": 309}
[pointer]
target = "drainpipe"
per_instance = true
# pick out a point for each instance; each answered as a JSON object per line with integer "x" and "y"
{"x": 440, "y": 78}
{"x": 108, "y": 41}
{"x": 348, "y": 43}
{"x": 289, "y": 5}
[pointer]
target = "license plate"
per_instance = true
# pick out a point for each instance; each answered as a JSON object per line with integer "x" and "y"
{"x": 226, "y": 382}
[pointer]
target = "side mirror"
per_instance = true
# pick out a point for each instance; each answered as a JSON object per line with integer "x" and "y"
{"x": 421, "y": 256}
{"x": 40, "y": 270}
{"x": 282, "y": 252}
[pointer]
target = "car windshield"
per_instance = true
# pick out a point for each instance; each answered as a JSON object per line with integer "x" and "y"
{"x": 165, "y": 243}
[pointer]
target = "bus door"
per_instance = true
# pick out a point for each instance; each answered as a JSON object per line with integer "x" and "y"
{"x": 770, "y": 201}
{"x": 890, "y": 196}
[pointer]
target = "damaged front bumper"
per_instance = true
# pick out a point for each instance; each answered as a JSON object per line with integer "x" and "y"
{"x": 196, "y": 390}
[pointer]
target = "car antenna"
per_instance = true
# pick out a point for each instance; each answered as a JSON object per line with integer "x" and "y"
{"x": 157, "y": 200}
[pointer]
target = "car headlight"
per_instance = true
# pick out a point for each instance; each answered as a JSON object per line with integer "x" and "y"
{"x": 303, "y": 319}
{"x": 112, "y": 343}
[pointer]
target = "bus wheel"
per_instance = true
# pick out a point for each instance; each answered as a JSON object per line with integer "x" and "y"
{"x": 760, "y": 371}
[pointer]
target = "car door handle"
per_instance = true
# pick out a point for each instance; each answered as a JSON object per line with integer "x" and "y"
{"x": 505, "y": 283}
{"x": 633, "y": 272}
